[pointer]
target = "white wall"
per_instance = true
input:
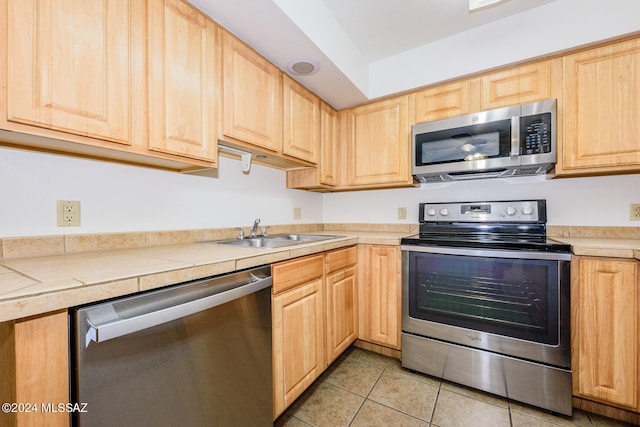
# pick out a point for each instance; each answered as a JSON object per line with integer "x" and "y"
{"x": 551, "y": 27}
{"x": 594, "y": 201}
{"x": 121, "y": 198}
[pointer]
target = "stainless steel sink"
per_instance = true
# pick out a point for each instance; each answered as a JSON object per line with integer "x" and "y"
{"x": 277, "y": 240}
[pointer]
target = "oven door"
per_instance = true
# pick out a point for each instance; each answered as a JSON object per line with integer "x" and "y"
{"x": 509, "y": 302}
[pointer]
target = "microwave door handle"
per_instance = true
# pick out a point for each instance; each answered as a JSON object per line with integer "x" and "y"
{"x": 515, "y": 136}
{"x": 119, "y": 328}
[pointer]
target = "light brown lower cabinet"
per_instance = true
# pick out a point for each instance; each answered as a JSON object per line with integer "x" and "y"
{"x": 379, "y": 294}
{"x": 605, "y": 314}
{"x": 314, "y": 319}
{"x": 34, "y": 369}
{"x": 341, "y": 300}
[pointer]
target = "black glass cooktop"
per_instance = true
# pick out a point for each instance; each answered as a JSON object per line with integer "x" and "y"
{"x": 488, "y": 241}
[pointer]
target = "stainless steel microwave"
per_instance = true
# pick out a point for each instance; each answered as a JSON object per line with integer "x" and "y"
{"x": 511, "y": 141}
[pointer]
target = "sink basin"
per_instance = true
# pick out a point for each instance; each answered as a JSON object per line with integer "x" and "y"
{"x": 277, "y": 240}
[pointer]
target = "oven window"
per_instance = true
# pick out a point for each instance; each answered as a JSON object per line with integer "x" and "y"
{"x": 511, "y": 297}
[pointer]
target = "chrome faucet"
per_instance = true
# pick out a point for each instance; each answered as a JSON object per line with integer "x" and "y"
{"x": 254, "y": 229}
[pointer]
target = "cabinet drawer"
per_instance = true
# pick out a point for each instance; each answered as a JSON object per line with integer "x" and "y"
{"x": 341, "y": 258}
{"x": 289, "y": 274}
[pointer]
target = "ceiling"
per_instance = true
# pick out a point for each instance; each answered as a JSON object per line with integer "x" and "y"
{"x": 368, "y": 49}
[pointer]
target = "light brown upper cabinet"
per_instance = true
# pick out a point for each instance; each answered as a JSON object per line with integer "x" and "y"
{"x": 322, "y": 176}
{"x": 184, "y": 80}
{"x": 377, "y": 146}
{"x": 445, "y": 100}
{"x": 518, "y": 85}
{"x": 252, "y": 97}
{"x": 605, "y": 321}
{"x": 76, "y": 80}
{"x": 601, "y": 111}
{"x": 68, "y": 66}
{"x": 300, "y": 121}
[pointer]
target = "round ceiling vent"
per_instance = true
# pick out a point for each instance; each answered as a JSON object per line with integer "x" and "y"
{"x": 303, "y": 66}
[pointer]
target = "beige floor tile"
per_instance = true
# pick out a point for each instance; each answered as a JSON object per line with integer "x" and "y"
{"x": 327, "y": 406}
{"x": 600, "y": 421}
{"x": 354, "y": 376}
{"x": 289, "y": 421}
{"x": 475, "y": 394}
{"x": 579, "y": 418}
{"x": 407, "y": 395}
{"x": 395, "y": 366}
{"x": 369, "y": 357}
{"x": 457, "y": 410}
{"x": 374, "y": 414}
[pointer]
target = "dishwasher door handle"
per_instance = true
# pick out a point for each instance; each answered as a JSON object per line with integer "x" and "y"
{"x": 106, "y": 331}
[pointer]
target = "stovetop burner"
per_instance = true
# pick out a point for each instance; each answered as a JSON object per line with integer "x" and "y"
{"x": 511, "y": 225}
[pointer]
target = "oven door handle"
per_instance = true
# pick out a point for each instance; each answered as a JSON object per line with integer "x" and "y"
{"x": 489, "y": 253}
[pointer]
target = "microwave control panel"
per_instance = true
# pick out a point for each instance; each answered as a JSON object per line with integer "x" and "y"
{"x": 535, "y": 134}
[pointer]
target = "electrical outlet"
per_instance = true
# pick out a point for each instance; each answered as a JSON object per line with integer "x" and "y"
{"x": 297, "y": 213}
{"x": 634, "y": 212}
{"x": 68, "y": 213}
{"x": 402, "y": 213}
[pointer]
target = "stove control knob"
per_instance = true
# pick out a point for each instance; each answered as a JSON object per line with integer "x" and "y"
{"x": 431, "y": 212}
{"x": 527, "y": 210}
{"x": 444, "y": 211}
{"x": 511, "y": 211}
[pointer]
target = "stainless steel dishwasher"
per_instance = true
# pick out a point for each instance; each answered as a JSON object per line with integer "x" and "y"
{"x": 194, "y": 354}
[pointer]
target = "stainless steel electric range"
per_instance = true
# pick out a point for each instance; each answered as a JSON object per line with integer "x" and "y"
{"x": 485, "y": 301}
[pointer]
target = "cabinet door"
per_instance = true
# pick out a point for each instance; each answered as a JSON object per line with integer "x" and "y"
{"x": 184, "y": 62}
{"x": 606, "y": 339}
{"x": 34, "y": 368}
{"x": 298, "y": 337}
{"x": 324, "y": 175}
{"x": 601, "y": 110}
{"x": 342, "y": 314}
{"x": 328, "y": 141}
{"x": 519, "y": 85}
{"x": 378, "y": 152}
{"x": 300, "y": 121}
{"x": 68, "y": 66}
{"x": 379, "y": 294}
{"x": 252, "y": 98}
{"x": 444, "y": 101}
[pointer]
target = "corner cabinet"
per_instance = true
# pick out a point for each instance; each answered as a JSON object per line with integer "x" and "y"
{"x": 379, "y": 294}
{"x": 601, "y": 112}
{"x": 323, "y": 176}
{"x": 605, "y": 342}
{"x": 184, "y": 80}
{"x": 377, "y": 145}
{"x": 298, "y": 328}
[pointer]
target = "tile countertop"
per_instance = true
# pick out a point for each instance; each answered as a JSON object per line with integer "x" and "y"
{"x": 603, "y": 247}
{"x": 36, "y": 285}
